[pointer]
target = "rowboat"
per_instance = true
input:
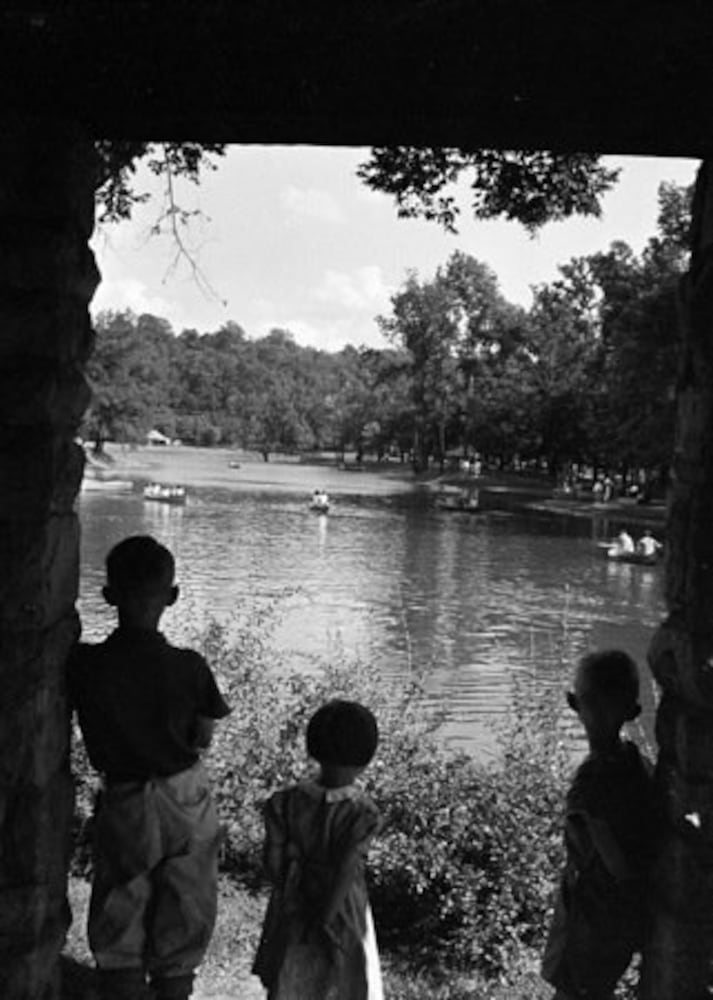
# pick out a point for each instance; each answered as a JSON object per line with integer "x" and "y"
{"x": 165, "y": 494}
{"x": 319, "y": 502}
{"x": 615, "y": 554}
{"x": 465, "y": 500}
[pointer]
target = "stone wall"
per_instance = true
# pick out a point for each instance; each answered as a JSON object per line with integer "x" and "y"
{"x": 47, "y": 279}
{"x": 679, "y": 958}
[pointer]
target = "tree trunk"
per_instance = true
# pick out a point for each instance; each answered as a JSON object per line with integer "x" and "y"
{"x": 678, "y": 963}
{"x": 48, "y": 278}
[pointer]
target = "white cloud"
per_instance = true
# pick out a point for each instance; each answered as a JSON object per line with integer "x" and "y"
{"x": 310, "y": 203}
{"x": 364, "y": 288}
{"x": 130, "y": 293}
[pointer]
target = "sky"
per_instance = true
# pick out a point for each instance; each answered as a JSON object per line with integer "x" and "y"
{"x": 288, "y": 237}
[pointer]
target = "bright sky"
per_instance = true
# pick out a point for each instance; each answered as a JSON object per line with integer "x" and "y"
{"x": 294, "y": 240}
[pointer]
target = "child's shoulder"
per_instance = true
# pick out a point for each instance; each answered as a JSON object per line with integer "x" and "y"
{"x": 628, "y": 772}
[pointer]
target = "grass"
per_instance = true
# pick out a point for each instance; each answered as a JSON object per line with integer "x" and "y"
{"x": 225, "y": 974}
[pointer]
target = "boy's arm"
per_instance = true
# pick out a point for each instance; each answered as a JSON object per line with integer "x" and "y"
{"x": 606, "y": 846}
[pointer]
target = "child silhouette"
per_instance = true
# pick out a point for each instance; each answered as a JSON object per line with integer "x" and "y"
{"x": 318, "y": 938}
{"x": 146, "y": 709}
{"x": 600, "y": 910}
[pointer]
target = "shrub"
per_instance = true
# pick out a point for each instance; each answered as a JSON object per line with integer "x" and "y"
{"x": 465, "y": 864}
{"x": 462, "y": 872}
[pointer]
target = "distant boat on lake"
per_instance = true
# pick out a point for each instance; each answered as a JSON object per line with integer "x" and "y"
{"x": 165, "y": 494}
{"x": 319, "y": 502}
{"x": 464, "y": 500}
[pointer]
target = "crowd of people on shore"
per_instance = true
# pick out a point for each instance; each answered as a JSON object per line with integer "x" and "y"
{"x": 147, "y": 710}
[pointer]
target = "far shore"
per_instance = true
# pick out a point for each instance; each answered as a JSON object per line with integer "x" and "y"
{"x": 227, "y": 467}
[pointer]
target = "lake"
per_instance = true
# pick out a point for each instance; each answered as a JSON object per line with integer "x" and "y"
{"x": 475, "y": 601}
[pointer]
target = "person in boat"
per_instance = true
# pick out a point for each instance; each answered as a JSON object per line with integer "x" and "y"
{"x": 622, "y": 546}
{"x": 648, "y": 546}
{"x": 600, "y": 915}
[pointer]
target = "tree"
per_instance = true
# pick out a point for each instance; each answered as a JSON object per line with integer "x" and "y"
{"x": 530, "y": 187}
{"x": 447, "y": 326}
{"x": 128, "y": 374}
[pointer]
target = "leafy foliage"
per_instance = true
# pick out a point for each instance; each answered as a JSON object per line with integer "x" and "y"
{"x": 462, "y": 872}
{"x": 529, "y": 187}
{"x": 117, "y": 163}
{"x": 585, "y": 376}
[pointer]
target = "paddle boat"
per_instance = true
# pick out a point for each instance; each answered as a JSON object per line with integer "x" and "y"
{"x": 319, "y": 502}
{"x": 165, "y": 494}
{"x": 466, "y": 499}
{"x": 646, "y": 552}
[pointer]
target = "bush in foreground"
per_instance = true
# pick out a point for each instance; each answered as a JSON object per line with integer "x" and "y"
{"x": 461, "y": 875}
{"x": 463, "y": 870}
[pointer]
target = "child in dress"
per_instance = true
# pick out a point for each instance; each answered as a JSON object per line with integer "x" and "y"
{"x": 600, "y": 912}
{"x": 318, "y": 940}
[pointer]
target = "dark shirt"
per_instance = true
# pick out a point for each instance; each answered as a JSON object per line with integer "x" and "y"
{"x": 600, "y": 919}
{"x": 137, "y": 699}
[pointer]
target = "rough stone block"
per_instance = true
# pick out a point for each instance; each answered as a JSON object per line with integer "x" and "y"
{"x": 38, "y": 258}
{"x": 44, "y": 328}
{"x": 677, "y": 960}
{"x": 34, "y": 735}
{"x": 41, "y": 394}
{"x": 34, "y": 466}
{"x": 41, "y": 560}
{"x": 48, "y": 173}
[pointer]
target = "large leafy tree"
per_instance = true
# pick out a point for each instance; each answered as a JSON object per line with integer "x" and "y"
{"x": 447, "y": 326}
{"x": 530, "y": 187}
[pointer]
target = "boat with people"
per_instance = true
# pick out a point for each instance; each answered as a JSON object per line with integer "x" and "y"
{"x": 164, "y": 493}
{"x": 466, "y": 499}
{"x": 647, "y": 551}
{"x": 319, "y": 502}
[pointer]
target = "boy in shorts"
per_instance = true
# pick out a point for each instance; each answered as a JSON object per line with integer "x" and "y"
{"x": 600, "y": 911}
{"x": 146, "y": 709}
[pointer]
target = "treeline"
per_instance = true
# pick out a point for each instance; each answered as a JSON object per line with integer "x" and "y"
{"x": 585, "y": 376}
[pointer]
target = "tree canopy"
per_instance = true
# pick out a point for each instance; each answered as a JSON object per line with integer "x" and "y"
{"x": 585, "y": 375}
{"x": 528, "y": 187}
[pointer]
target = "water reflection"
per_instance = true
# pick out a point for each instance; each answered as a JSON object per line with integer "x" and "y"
{"x": 473, "y": 601}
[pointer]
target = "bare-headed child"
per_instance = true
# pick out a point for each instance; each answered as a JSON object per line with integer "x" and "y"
{"x": 146, "y": 709}
{"x": 318, "y": 938}
{"x": 601, "y": 906}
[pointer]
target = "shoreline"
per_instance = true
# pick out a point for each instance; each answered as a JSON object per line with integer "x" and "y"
{"x": 227, "y": 467}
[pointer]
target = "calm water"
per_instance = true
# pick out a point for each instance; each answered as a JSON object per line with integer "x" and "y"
{"x": 474, "y": 600}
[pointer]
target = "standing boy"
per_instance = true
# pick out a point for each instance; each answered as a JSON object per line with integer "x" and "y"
{"x": 146, "y": 709}
{"x": 600, "y": 911}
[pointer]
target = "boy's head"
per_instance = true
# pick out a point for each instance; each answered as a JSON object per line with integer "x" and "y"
{"x": 139, "y": 572}
{"x": 606, "y": 689}
{"x": 342, "y": 734}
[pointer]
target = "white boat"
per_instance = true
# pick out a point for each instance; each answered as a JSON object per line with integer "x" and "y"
{"x": 101, "y": 480}
{"x": 319, "y": 502}
{"x": 165, "y": 494}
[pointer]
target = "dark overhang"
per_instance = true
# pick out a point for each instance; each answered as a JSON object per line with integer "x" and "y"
{"x": 599, "y": 75}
